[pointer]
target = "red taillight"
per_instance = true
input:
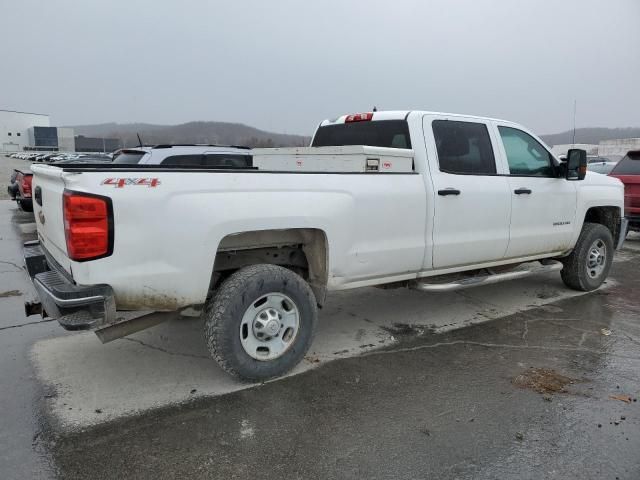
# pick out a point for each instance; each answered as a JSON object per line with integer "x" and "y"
{"x": 26, "y": 185}
{"x": 358, "y": 117}
{"x": 87, "y": 226}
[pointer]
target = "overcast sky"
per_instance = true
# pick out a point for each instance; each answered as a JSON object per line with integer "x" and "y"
{"x": 285, "y": 65}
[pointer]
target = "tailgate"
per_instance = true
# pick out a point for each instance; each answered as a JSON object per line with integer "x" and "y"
{"x": 48, "y": 188}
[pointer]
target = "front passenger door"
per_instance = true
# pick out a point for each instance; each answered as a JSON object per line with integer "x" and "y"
{"x": 543, "y": 206}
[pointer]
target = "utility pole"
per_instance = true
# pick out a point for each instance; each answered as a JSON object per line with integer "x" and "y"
{"x": 575, "y": 102}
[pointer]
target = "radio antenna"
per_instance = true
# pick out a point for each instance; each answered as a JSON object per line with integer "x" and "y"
{"x": 575, "y": 102}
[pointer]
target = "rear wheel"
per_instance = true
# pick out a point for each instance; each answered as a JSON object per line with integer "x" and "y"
{"x": 260, "y": 322}
{"x": 589, "y": 263}
{"x": 25, "y": 206}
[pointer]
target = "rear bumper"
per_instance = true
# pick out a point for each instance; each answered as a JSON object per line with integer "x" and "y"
{"x": 75, "y": 307}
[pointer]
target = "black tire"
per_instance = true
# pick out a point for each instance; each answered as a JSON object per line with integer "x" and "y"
{"x": 575, "y": 272}
{"x": 25, "y": 206}
{"x": 224, "y": 312}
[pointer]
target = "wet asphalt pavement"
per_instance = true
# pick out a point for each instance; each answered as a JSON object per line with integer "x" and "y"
{"x": 21, "y": 421}
{"x": 524, "y": 396}
{"x": 437, "y": 407}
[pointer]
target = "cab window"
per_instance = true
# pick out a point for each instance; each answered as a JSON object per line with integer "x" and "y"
{"x": 525, "y": 155}
{"x": 379, "y": 133}
{"x": 464, "y": 147}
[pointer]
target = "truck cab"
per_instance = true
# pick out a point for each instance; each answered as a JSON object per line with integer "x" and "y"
{"x": 494, "y": 191}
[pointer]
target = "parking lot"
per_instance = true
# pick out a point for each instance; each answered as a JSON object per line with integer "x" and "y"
{"x": 525, "y": 379}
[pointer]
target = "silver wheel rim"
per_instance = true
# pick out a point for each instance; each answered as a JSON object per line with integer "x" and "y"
{"x": 269, "y": 326}
{"x": 597, "y": 259}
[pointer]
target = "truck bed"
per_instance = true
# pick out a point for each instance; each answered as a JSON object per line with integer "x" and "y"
{"x": 169, "y": 221}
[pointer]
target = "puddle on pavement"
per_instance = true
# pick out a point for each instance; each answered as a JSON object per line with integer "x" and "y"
{"x": 407, "y": 329}
{"x": 10, "y": 293}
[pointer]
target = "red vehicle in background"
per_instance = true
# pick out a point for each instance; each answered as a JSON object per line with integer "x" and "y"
{"x": 628, "y": 171}
{"x": 20, "y": 189}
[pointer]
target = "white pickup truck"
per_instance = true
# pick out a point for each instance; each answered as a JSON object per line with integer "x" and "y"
{"x": 426, "y": 200}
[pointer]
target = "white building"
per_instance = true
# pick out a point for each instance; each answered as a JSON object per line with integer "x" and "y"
{"x": 14, "y": 128}
{"x": 618, "y": 148}
{"x": 66, "y": 139}
{"x": 612, "y": 149}
{"x": 563, "y": 149}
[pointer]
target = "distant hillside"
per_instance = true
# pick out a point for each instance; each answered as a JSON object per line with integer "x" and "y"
{"x": 221, "y": 133}
{"x": 590, "y": 135}
{"x": 224, "y": 133}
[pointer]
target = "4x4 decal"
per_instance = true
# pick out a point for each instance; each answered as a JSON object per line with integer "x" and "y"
{"x": 123, "y": 182}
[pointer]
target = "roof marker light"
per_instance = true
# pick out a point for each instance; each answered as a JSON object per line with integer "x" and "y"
{"x": 359, "y": 117}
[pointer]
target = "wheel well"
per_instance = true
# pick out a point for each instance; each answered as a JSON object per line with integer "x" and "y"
{"x": 607, "y": 216}
{"x": 303, "y": 250}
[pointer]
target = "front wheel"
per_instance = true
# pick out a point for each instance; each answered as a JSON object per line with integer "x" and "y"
{"x": 589, "y": 263}
{"x": 260, "y": 322}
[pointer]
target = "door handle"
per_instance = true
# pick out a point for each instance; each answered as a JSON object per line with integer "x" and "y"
{"x": 520, "y": 191}
{"x": 448, "y": 191}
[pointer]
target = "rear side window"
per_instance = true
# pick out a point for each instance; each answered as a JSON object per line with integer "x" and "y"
{"x": 464, "y": 147}
{"x": 629, "y": 165}
{"x": 226, "y": 160}
{"x": 184, "y": 160}
{"x": 380, "y": 133}
{"x": 210, "y": 160}
{"x": 526, "y": 156}
{"x": 129, "y": 157}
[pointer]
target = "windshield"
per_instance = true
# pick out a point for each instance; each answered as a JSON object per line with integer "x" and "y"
{"x": 629, "y": 165}
{"x": 381, "y": 133}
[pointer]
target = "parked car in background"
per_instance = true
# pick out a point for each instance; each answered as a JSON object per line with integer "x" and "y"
{"x": 628, "y": 172}
{"x": 83, "y": 159}
{"x": 209, "y": 156}
{"x": 48, "y": 157}
{"x": 602, "y": 164}
{"x": 20, "y": 189}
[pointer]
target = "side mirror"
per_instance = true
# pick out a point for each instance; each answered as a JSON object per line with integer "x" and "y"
{"x": 576, "y": 164}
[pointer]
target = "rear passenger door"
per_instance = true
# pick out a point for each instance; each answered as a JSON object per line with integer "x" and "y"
{"x": 472, "y": 201}
{"x": 543, "y": 206}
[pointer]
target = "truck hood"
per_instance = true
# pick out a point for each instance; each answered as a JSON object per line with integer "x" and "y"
{"x": 601, "y": 180}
